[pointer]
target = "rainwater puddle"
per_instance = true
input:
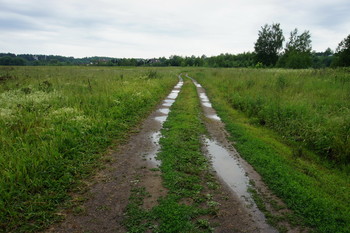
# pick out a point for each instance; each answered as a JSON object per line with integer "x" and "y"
{"x": 161, "y": 119}
{"x": 207, "y": 104}
{"x": 228, "y": 169}
{"x": 160, "y": 116}
{"x": 164, "y": 110}
{"x": 155, "y": 137}
{"x": 173, "y": 95}
{"x": 203, "y": 97}
{"x": 214, "y": 117}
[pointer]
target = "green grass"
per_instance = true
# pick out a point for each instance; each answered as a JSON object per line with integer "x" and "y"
{"x": 184, "y": 171}
{"x": 310, "y": 107}
{"x": 315, "y": 189}
{"x": 56, "y": 123}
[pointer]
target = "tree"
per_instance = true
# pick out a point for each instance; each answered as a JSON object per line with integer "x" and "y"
{"x": 322, "y": 59}
{"x": 297, "y": 53}
{"x": 342, "y": 53}
{"x": 269, "y": 44}
{"x": 300, "y": 43}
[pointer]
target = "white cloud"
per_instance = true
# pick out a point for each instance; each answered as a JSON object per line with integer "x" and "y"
{"x": 161, "y": 28}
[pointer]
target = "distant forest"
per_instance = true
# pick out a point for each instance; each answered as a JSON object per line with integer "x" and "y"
{"x": 319, "y": 60}
{"x": 268, "y": 52}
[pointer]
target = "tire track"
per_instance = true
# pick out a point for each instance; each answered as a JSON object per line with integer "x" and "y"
{"x": 102, "y": 206}
{"x": 231, "y": 169}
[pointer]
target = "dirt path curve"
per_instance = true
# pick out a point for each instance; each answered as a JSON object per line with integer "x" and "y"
{"x": 108, "y": 193}
{"x": 233, "y": 172}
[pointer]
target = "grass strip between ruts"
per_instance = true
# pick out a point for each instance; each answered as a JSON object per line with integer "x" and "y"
{"x": 184, "y": 170}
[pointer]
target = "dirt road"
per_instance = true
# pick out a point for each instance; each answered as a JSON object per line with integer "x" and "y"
{"x": 103, "y": 205}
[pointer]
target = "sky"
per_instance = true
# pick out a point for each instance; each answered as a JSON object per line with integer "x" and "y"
{"x": 157, "y": 28}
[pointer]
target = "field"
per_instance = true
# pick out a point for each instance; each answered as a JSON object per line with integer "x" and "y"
{"x": 57, "y": 123}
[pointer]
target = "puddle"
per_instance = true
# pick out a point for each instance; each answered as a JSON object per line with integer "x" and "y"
{"x": 160, "y": 116}
{"x": 207, "y": 104}
{"x": 228, "y": 168}
{"x": 203, "y": 97}
{"x": 161, "y": 119}
{"x": 164, "y": 110}
{"x": 151, "y": 156}
{"x": 214, "y": 117}
{"x": 173, "y": 95}
{"x": 169, "y": 101}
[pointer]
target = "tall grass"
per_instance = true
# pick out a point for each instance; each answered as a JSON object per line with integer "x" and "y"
{"x": 54, "y": 122}
{"x": 310, "y": 107}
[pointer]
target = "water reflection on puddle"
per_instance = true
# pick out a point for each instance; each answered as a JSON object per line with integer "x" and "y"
{"x": 161, "y": 119}
{"x": 203, "y": 97}
{"x": 164, "y": 110}
{"x": 214, "y": 117}
{"x": 155, "y": 137}
{"x": 228, "y": 169}
{"x": 207, "y": 104}
{"x": 173, "y": 95}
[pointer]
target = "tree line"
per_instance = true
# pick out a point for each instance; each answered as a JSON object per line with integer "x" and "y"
{"x": 268, "y": 52}
{"x": 297, "y": 52}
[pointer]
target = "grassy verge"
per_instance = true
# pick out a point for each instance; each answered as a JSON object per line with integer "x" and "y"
{"x": 317, "y": 194}
{"x": 55, "y": 123}
{"x": 184, "y": 171}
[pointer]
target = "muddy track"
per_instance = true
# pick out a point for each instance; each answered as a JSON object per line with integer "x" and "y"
{"x": 131, "y": 165}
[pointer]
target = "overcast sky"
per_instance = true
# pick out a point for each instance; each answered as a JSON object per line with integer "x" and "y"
{"x": 154, "y": 28}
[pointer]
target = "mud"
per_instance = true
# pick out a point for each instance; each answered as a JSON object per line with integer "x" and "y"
{"x": 109, "y": 190}
{"x": 233, "y": 172}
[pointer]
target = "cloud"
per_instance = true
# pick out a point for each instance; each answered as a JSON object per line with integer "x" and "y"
{"x": 161, "y": 28}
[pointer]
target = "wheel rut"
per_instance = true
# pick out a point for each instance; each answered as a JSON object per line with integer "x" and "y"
{"x": 234, "y": 173}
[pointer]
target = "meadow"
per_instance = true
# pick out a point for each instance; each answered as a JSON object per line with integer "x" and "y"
{"x": 293, "y": 127}
{"x": 55, "y": 123}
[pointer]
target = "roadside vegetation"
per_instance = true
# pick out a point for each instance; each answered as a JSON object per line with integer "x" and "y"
{"x": 294, "y": 128}
{"x": 56, "y": 123}
{"x": 185, "y": 173}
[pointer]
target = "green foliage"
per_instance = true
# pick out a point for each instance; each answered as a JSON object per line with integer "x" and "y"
{"x": 12, "y": 61}
{"x": 295, "y": 60}
{"x": 269, "y": 43}
{"x": 297, "y": 54}
{"x": 305, "y": 107}
{"x": 55, "y": 123}
{"x": 300, "y": 43}
{"x": 343, "y": 53}
{"x": 322, "y": 59}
